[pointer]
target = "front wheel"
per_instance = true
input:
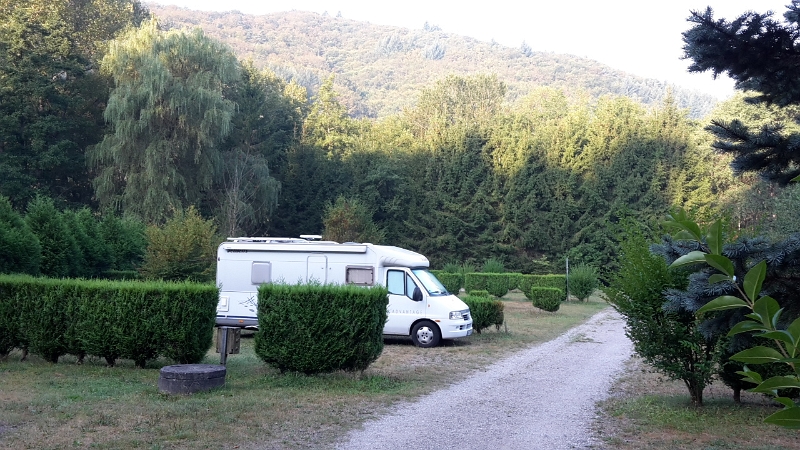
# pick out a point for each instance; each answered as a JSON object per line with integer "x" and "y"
{"x": 426, "y": 334}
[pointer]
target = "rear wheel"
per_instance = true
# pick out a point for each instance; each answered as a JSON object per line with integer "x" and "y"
{"x": 426, "y": 334}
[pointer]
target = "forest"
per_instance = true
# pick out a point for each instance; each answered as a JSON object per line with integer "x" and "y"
{"x": 107, "y": 113}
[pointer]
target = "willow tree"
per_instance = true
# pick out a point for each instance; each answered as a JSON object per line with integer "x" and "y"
{"x": 168, "y": 115}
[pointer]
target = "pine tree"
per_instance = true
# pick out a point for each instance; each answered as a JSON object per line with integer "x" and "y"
{"x": 760, "y": 54}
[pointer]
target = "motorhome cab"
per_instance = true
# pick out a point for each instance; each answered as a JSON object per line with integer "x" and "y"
{"x": 419, "y": 305}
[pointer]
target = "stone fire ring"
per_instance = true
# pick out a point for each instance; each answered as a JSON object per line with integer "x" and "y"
{"x": 191, "y": 378}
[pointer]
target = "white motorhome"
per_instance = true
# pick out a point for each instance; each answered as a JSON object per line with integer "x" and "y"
{"x": 419, "y": 305}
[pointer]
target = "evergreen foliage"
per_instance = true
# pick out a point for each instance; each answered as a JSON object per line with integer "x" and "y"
{"x": 349, "y": 220}
{"x": 583, "y": 280}
{"x": 759, "y": 53}
{"x": 60, "y": 252}
{"x": 131, "y": 320}
{"x": 485, "y": 312}
{"x": 184, "y": 249}
{"x": 52, "y": 96}
{"x": 664, "y": 334}
{"x": 320, "y": 328}
{"x": 20, "y": 251}
{"x": 546, "y": 298}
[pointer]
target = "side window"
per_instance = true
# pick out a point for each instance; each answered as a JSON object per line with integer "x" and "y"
{"x": 410, "y": 285}
{"x": 360, "y": 275}
{"x": 395, "y": 282}
{"x": 261, "y": 272}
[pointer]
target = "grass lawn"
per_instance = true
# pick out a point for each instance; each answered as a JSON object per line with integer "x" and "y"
{"x": 647, "y": 411}
{"x": 66, "y": 405}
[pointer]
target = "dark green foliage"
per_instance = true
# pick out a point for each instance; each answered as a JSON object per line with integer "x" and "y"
{"x": 780, "y": 283}
{"x": 485, "y": 312}
{"x": 185, "y": 248}
{"x": 546, "y": 298}
{"x": 131, "y": 320}
{"x": 497, "y": 284}
{"x": 526, "y": 282}
{"x": 59, "y": 249}
{"x": 759, "y": 53}
{"x": 126, "y": 240}
{"x": 493, "y": 265}
{"x": 451, "y": 281}
{"x": 320, "y": 328}
{"x": 349, "y": 220}
{"x": 667, "y": 338}
{"x": 20, "y": 251}
{"x": 583, "y": 280}
{"x": 484, "y": 294}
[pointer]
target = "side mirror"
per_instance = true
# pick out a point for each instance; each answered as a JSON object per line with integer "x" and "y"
{"x": 417, "y": 296}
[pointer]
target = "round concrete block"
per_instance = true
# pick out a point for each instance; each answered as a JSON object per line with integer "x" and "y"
{"x": 191, "y": 378}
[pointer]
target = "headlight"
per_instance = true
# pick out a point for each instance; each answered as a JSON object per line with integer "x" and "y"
{"x": 456, "y": 315}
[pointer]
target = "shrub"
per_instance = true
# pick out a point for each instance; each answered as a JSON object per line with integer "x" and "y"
{"x": 497, "y": 284}
{"x": 183, "y": 250}
{"x": 668, "y": 340}
{"x": 526, "y": 282}
{"x": 126, "y": 240}
{"x": 58, "y": 246}
{"x": 20, "y": 251}
{"x": 320, "y": 328}
{"x": 451, "y": 281}
{"x": 583, "y": 280}
{"x": 484, "y": 294}
{"x": 546, "y": 298}
{"x": 493, "y": 265}
{"x": 451, "y": 267}
{"x": 485, "y": 312}
{"x": 139, "y": 321}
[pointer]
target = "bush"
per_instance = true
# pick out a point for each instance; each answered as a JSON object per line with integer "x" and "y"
{"x": 138, "y": 321}
{"x": 493, "y": 265}
{"x": 583, "y": 280}
{"x": 451, "y": 267}
{"x": 20, "y": 251}
{"x": 668, "y": 340}
{"x": 184, "y": 249}
{"x": 126, "y": 240}
{"x": 546, "y": 298}
{"x": 451, "y": 281}
{"x": 320, "y": 328}
{"x": 484, "y": 294}
{"x": 485, "y": 312}
{"x": 59, "y": 250}
{"x": 496, "y": 283}
{"x": 526, "y": 282}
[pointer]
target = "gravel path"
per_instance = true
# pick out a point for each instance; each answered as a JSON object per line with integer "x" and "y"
{"x": 543, "y": 397}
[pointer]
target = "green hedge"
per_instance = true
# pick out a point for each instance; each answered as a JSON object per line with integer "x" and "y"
{"x": 131, "y": 320}
{"x": 485, "y": 312}
{"x": 526, "y": 282}
{"x": 320, "y": 328}
{"x": 498, "y": 284}
{"x": 546, "y": 298}
{"x": 452, "y": 281}
{"x": 484, "y": 294}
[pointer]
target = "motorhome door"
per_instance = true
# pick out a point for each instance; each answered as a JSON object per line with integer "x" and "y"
{"x": 317, "y": 269}
{"x": 403, "y": 310}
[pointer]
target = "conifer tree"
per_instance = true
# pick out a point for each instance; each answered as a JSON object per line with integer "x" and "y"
{"x": 760, "y": 54}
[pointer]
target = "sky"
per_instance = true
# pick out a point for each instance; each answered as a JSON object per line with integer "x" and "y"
{"x": 642, "y": 37}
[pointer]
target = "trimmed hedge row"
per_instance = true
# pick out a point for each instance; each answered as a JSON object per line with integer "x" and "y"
{"x": 526, "y": 282}
{"x": 485, "y": 312}
{"x": 451, "y": 281}
{"x": 546, "y": 298}
{"x": 130, "y": 320}
{"x": 320, "y": 328}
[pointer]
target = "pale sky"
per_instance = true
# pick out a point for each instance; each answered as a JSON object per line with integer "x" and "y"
{"x": 642, "y": 37}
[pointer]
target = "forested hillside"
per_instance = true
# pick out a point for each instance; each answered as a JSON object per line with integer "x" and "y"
{"x": 381, "y": 69}
{"x": 102, "y": 108}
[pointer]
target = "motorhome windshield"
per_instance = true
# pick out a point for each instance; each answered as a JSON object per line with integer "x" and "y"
{"x": 432, "y": 285}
